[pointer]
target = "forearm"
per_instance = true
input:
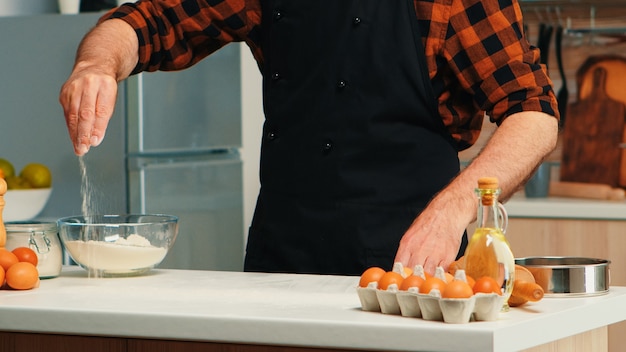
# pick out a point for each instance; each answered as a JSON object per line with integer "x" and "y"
{"x": 111, "y": 48}
{"x": 516, "y": 148}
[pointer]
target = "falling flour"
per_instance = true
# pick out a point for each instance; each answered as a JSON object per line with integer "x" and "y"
{"x": 121, "y": 255}
{"x": 115, "y": 255}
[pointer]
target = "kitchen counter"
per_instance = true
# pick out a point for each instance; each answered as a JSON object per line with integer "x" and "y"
{"x": 280, "y": 310}
{"x": 565, "y": 208}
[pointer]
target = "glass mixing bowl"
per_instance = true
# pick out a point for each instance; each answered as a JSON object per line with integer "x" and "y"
{"x": 118, "y": 245}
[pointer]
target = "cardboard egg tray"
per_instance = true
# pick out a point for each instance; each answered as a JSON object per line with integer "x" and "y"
{"x": 479, "y": 307}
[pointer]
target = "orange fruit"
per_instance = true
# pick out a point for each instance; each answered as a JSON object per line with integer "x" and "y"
{"x": 1, "y": 276}
{"x": 25, "y": 254}
{"x": 22, "y": 276}
{"x": 390, "y": 278}
{"x": 432, "y": 283}
{"x": 372, "y": 274}
{"x": 449, "y": 277}
{"x": 7, "y": 259}
{"x": 487, "y": 284}
{"x": 457, "y": 289}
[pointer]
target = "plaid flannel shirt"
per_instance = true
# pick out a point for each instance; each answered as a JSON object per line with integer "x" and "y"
{"x": 478, "y": 57}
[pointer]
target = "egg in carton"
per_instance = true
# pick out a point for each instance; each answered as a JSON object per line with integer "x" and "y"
{"x": 368, "y": 285}
{"x": 429, "y": 305}
{"x": 478, "y": 307}
{"x": 377, "y": 289}
{"x": 430, "y": 295}
{"x": 387, "y": 299}
{"x": 458, "y": 310}
{"x": 368, "y": 298}
{"x": 488, "y": 306}
{"x": 407, "y": 298}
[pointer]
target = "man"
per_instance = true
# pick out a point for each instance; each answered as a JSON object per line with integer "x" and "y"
{"x": 367, "y": 104}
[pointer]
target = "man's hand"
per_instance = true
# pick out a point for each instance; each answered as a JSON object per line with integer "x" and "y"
{"x": 88, "y": 100}
{"x": 106, "y": 55}
{"x": 516, "y": 148}
{"x": 434, "y": 237}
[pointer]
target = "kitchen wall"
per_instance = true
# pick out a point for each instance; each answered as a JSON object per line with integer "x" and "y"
{"x": 36, "y": 58}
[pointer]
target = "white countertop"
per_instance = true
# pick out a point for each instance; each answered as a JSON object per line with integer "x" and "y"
{"x": 565, "y": 208}
{"x": 279, "y": 309}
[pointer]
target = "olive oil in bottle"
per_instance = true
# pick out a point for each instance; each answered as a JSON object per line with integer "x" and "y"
{"x": 488, "y": 252}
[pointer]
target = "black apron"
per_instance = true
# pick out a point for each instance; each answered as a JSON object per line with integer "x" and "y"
{"x": 353, "y": 148}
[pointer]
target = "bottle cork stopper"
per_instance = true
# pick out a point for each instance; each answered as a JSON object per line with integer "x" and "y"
{"x": 3, "y": 231}
{"x": 488, "y": 183}
{"x": 485, "y": 183}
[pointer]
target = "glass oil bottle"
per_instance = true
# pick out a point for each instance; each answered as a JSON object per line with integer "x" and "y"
{"x": 488, "y": 252}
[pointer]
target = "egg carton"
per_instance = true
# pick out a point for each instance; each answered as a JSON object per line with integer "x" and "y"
{"x": 431, "y": 306}
{"x": 479, "y": 307}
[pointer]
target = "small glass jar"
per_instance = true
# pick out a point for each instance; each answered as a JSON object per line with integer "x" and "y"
{"x": 41, "y": 237}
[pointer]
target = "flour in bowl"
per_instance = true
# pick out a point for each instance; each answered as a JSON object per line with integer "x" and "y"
{"x": 121, "y": 255}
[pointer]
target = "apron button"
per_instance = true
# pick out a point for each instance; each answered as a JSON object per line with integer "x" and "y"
{"x": 341, "y": 84}
{"x": 271, "y": 136}
{"x": 356, "y": 21}
{"x": 275, "y": 76}
{"x": 327, "y": 146}
{"x": 278, "y": 15}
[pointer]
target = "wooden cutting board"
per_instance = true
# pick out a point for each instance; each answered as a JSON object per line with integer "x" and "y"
{"x": 592, "y": 136}
{"x": 615, "y": 66}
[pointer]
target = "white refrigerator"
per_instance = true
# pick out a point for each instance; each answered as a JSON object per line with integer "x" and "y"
{"x": 183, "y": 158}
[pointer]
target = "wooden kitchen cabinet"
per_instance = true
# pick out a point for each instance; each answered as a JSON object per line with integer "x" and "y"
{"x": 604, "y": 239}
{"x": 29, "y": 342}
{"x": 187, "y": 346}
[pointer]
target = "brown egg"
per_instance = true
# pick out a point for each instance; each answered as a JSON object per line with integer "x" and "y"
{"x": 411, "y": 281}
{"x": 390, "y": 278}
{"x": 22, "y": 276}
{"x": 432, "y": 283}
{"x": 7, "y": 259}
{"x": 487, "y": 284}
{"x": 372, "y": 274}
{"x": 457, "y": 289}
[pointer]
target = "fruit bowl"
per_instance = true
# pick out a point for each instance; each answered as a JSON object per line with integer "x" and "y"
{"x": 24, "y": 204}
{"x": 118, "y": 245}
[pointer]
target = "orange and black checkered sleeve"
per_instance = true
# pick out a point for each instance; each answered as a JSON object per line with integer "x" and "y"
{"x": 174, "y": 35}
{"x": 486, "y": 48}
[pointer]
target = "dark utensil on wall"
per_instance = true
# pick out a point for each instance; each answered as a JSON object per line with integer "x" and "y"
{"x": 563, "y": 94}
{"x": 543, "y": 41}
